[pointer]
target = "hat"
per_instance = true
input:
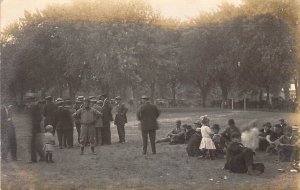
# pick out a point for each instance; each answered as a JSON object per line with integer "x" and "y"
{"x": 145, "y": 97}
{"x": 187, "y": 126}
{"x": 48, "y": 98}
{"x": 268, "y": 124}
{"x": 93, "y": 100}
{"x": 205, "y": 120}
{"x": 103, "y": 95}
{"x": 49, "y": 128}
{"x": 216, "y": 126}
{"x": 118, "y": 98}
{"x": 178, "y": 121}
{"x": 99, "y": 102}
{"x": 59, "y": 100}
{"x": 92, "y": 97}
{"x": 281, "y": 119}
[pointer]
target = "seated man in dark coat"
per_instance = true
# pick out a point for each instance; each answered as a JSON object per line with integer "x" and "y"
{"x": 226, "y": 135}
{"x": 287, "y": 148}
{"x": 263, "y": 133}
{"x": 239, "y": 159}
{"x": 273, "y": 139}
{"x": 194, "y": 142}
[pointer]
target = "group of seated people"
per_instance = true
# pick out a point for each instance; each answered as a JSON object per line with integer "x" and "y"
{"x": 204, "y": 141}
{"x": 280, "y": 140}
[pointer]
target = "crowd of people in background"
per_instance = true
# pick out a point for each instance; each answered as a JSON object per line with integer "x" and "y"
{"x": 92, "y": 118}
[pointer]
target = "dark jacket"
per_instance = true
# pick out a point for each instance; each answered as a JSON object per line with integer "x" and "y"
{"x": 36, "y": 118}
{"x": 107, "y": 115}
{"x": 63, "y": 119}
{"x": 49, "y": 114}
{"x": 147, "y": 115}
{"x": 121, "y": 117}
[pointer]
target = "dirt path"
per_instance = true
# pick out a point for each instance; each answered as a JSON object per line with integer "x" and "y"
{"x": 122, "y": 166}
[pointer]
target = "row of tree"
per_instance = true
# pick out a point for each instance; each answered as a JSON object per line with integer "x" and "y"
{"x": 91, "y": 47}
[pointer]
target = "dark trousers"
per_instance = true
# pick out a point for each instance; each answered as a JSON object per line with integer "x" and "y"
{"x": 193, "y": 146}
{"x": 121, "y": 132}
{"x": 288, "y": 153}
{"x": 8, "y": 142}
{"x": 78, "y": 128}
{"x": 36, "y": 148}
{"x": 152, "y": 134}
{"x": 65, "y": 137}
{"x": 240, "y": 162}
{"x": 98, "y": 136}
{"x": 106, "y": 135}
{"x": 61, "y": 133}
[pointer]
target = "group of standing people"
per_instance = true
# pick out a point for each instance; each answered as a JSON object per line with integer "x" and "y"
{"x": 91, "y": 118}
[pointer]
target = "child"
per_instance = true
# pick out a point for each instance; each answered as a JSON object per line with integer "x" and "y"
{"x": 287, "y": 148}
{"x": 273, "y": 139}
{"x": 206, "y": 142}
{"x": 49, "y": 142}
{"x": 217, "y": 140}
{"x": 263, "y": 143}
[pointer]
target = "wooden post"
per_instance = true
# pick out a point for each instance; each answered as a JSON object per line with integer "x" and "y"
{"x": 232, "y": 104}
{"x": 245, "y": 102}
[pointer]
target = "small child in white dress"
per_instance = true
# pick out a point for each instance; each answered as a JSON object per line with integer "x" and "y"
{"x": 207, "y": 143}
{"x": 48, "y": 143}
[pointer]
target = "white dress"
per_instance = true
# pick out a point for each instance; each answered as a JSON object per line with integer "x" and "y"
{"x": 48, "y": 140}
{"x": 206, "y": 142}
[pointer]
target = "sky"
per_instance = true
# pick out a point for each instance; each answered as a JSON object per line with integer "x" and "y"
{"x": 11, "y": 10}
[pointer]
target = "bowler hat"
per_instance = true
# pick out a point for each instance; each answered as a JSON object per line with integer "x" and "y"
{"x": 145, "y": 97}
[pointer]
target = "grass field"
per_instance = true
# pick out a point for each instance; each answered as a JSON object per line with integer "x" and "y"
{"x": 122, "y": 166}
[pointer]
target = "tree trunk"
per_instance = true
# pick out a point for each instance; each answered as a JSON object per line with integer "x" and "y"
{"x": 296, "y": 89}
{"x": 152, "y": 91}
{"x": 286, "y": 92}
{"x": 204, "y": 97}
{"x": 173, "y": 91}
{"x": 268, "y": 93}
{"x": 71, "y": 91}
{"x": 260, "y": 98}
{"x": 224, "y": 95}
{"x": 60, "y": 90}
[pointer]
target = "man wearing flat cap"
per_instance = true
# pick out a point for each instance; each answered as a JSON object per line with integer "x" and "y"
{"x": 48, "y": 113}
{"x": 120, "y": 119}
{"x": 88, "y": 117}
{"x": 106, "y": 118}
{"x": 147, "y": 115}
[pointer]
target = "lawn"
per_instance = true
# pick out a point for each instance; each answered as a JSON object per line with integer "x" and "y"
{"x": 122, "y": 166}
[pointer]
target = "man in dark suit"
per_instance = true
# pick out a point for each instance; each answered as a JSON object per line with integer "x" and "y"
{"x": 48, "y": 113}
{"x": 147, "y": 115}
{"x": 107, "y": 118}
{"x": 36, "y": 142}
{"x": 120, "y": 119}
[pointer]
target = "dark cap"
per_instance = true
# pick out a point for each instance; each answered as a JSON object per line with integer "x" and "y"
{"x": 118, "y": 98}
{"x": 49, "y": 98}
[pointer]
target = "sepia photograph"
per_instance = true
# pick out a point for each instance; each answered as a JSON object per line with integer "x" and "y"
{"x": 150, "y": 94}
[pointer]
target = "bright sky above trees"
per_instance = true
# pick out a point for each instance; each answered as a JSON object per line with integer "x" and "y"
{"x": 11, "y": 10}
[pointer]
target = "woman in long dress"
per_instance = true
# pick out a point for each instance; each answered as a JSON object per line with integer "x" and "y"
{"x": 207, "y": 144}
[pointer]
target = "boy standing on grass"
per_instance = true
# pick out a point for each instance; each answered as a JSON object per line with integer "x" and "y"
{"x": 88, "y": 117}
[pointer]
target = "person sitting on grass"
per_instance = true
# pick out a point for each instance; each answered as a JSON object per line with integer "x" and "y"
{"x": 176, "y": 136}
{"x": 216, "y": 137}
{"x": 239, "y": 159}
{"x": 189, "y": 131}
{"x": 48, "y": 143}
{"x": 273, "y": 139}
{"x": 287, "y": 149}
{"x": 226, "y": 135}
{"x": 194, "y": 142}
{"x": 263, "y": 133}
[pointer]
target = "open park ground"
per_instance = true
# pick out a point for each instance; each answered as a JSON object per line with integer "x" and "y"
{"x": 122, "y": 166}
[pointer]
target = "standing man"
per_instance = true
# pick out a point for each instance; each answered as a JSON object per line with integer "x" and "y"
{"x": 88, "y": 117}
{"x": 36, "y": 145}
{"x": 8, "y": 135}
{"x": 64, "y": 126}
{"x": 107, "y": 118}
{"x": 49, "y": 113}
{"x": 120, "y": 119}
{"x": 77, "y": 106}
{"x": 147, "y": 115}
{"x": 99, "y": 123}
